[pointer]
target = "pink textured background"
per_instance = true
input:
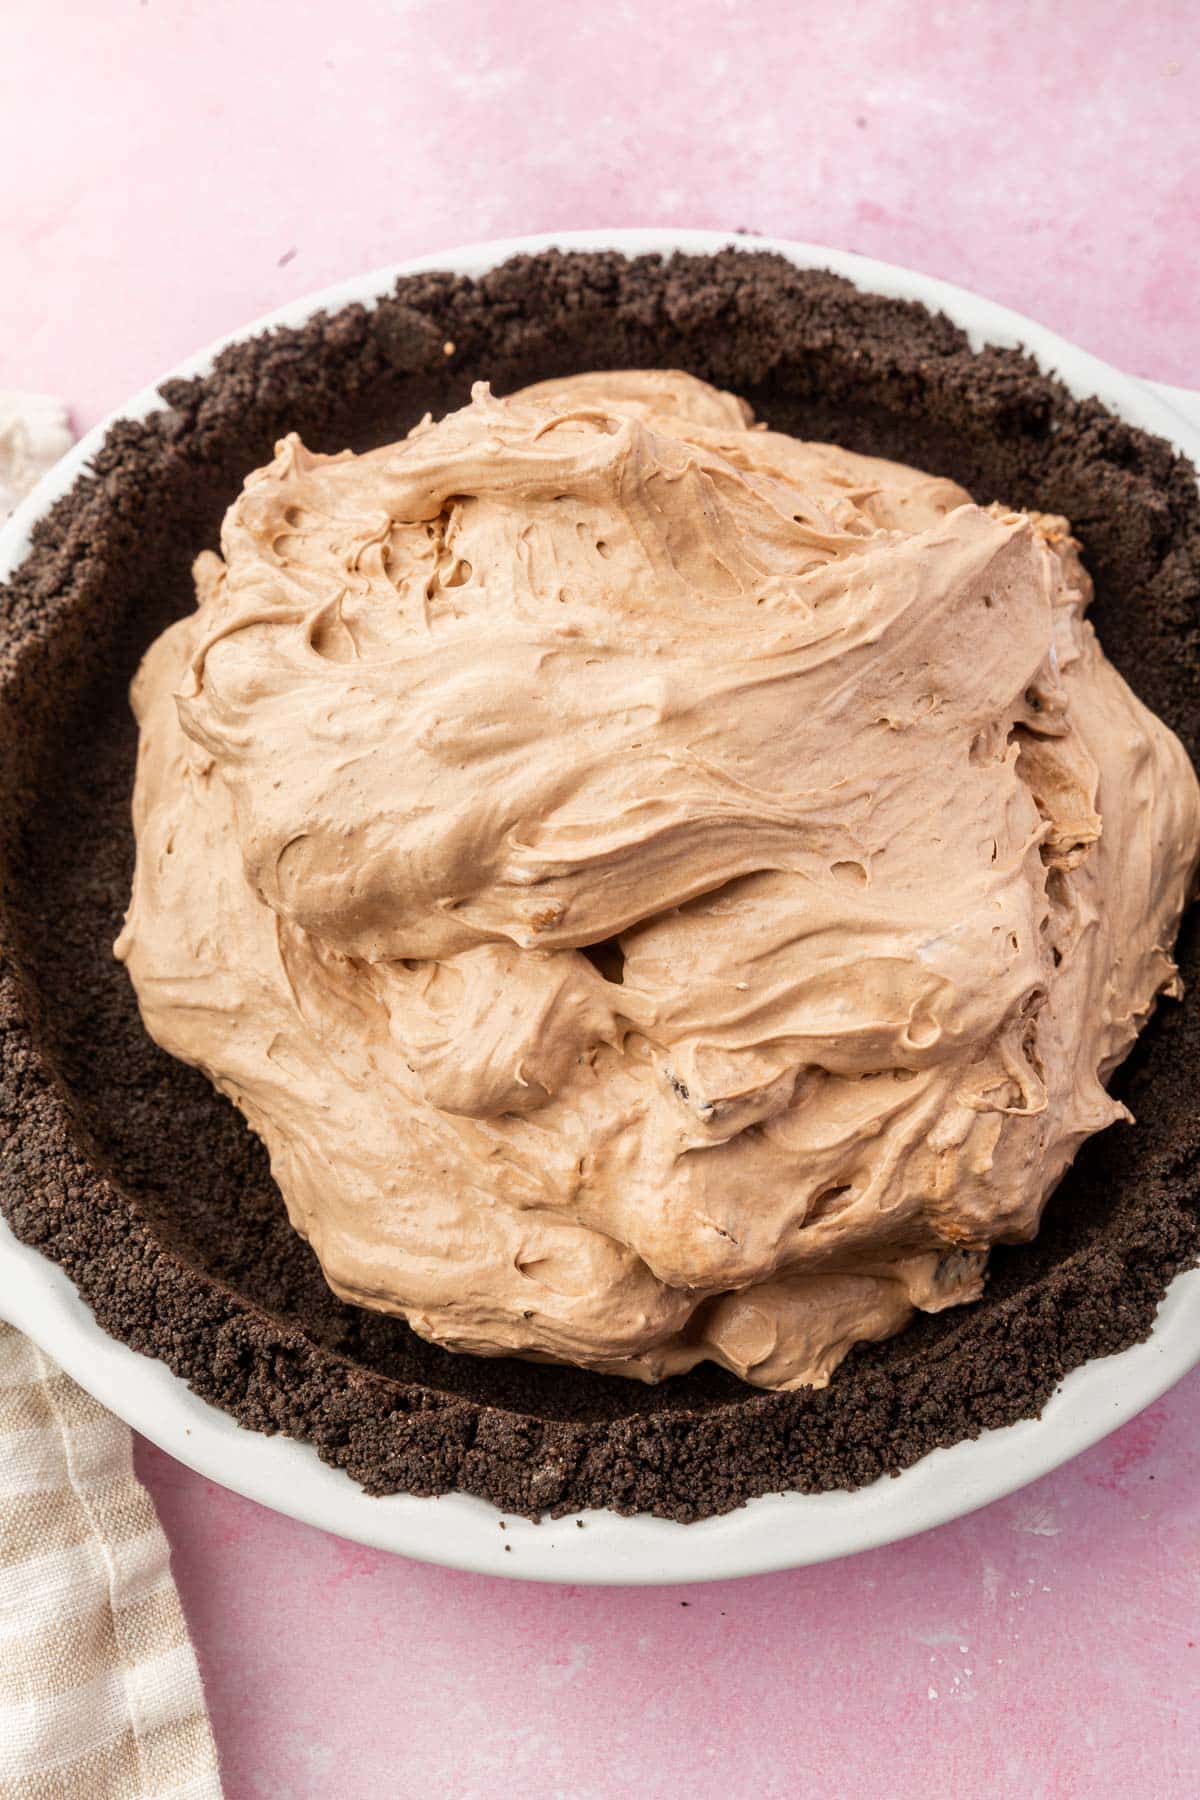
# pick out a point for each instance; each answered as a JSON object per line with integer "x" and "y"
{"x": 188, "y": 166}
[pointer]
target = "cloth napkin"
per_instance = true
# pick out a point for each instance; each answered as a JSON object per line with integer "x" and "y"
{"x": 100, "y": 1696}
{"x": 33, "y": 434}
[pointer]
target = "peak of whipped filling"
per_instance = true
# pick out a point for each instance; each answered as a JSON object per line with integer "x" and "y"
{"x": 660, "y": 889}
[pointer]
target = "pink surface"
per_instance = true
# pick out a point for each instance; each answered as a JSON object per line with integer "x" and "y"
{"x": 217, "y": 160}
{"x": 1047, "y": 1648}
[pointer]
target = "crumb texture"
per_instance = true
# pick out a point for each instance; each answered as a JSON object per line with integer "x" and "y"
{"x": 150, "y": 1190}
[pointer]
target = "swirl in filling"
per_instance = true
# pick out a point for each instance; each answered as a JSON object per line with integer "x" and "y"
{"x": 661, "y": 890}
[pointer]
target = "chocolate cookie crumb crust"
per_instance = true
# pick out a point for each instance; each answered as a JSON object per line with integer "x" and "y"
{"x": 131, "y": 1172}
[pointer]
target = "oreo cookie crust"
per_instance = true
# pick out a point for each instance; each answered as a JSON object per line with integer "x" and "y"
{"x": 136, "y": 1176}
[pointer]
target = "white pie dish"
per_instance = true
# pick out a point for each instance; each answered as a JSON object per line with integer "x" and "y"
{"x": 774, "y": 1532}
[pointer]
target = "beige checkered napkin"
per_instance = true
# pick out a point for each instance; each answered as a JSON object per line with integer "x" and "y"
{"x": 100, "y": 1697}
{"x": 34, "y": 433}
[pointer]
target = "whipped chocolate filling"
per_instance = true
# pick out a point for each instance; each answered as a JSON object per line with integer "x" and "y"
{"x": 661, "y": 890}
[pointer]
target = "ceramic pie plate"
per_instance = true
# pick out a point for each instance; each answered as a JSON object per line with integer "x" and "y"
{"x": 778, "y": 1531}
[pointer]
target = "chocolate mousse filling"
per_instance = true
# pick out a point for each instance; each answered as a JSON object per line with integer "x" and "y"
{"x": 130, "y": 1171}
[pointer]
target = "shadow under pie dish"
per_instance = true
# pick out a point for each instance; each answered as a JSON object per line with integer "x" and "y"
{"x": 186, "y": 1246}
